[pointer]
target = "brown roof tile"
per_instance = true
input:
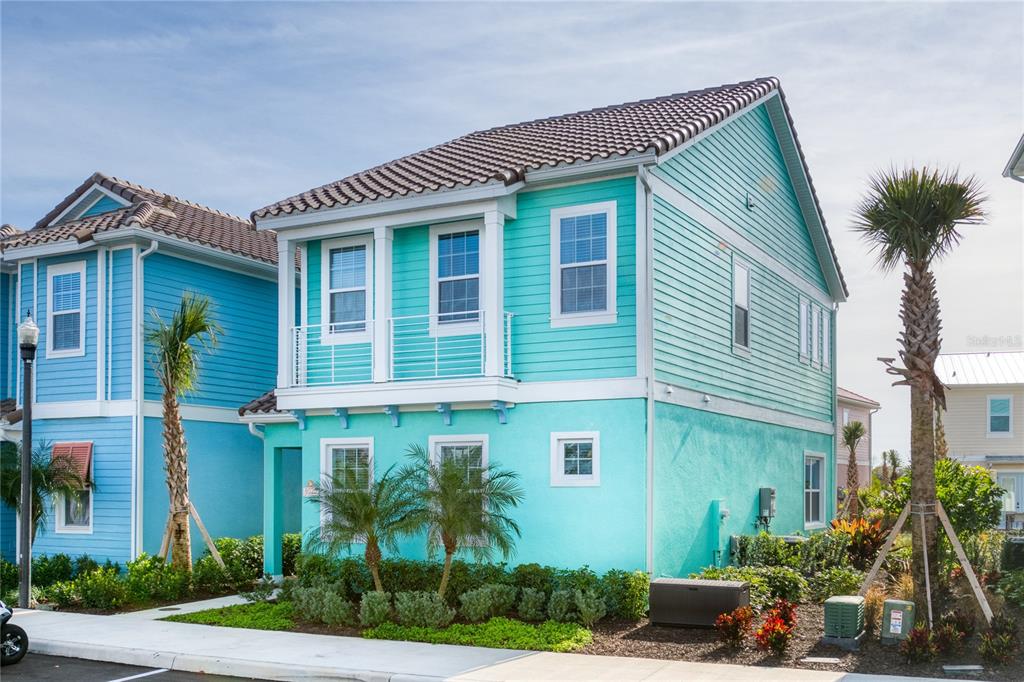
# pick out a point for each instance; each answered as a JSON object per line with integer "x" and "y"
{"x": 265, "y": 404}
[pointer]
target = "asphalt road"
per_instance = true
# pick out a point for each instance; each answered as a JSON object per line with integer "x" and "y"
{"x": 37, "y": 667}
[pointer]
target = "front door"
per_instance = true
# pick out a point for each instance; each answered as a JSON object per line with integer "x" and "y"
{"x": 1013, "y": 500}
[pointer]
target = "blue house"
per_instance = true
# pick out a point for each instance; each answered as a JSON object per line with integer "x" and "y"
{"x": 633, "y": 307}
{"x": 93, "y": 271}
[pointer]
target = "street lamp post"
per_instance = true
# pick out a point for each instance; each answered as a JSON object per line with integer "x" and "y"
{"x": 28, "y": 339}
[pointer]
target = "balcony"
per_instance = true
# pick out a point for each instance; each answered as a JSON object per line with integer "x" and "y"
{"x": 417, "y": 348}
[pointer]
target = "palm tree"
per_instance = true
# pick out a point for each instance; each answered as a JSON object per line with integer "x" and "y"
{"x": 464, "y": 505}
{"x": 941, "y": 446}
{"x": 176, "y": 352}
{"x": 51, "y": 477}
{"x": 890, "y": 466}
{"x": 852, "y": 435}
{"x": 374, "y": 513}
{"x": 911, "y": 218}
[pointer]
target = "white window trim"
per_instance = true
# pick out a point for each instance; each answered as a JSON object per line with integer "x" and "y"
{"x": 820, "y": 456}
{"x": 826, "y": 338}
{"x": 738, "y": 264}
{"x": 327, "y": 471}
{"x": 558, "y": 477}
{"x": 989, "y": 433}
{"x": 480, "y": 439}
{"x": 610, "y": 314}
{"x": 455, "y": 328}
{"x": 846, "y": 416}
{"x": 803, "y": 323}
{"x": 328, "y": 337}
{"x": 58, "y": 515}
{"x": 51, "y": 272}
{"x": 816, "y": 336}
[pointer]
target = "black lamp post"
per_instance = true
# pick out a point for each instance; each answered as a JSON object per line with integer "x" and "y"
{"x": 28, "y": 339}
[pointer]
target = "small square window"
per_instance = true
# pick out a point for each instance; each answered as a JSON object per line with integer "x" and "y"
{"x": 575, "y": 459}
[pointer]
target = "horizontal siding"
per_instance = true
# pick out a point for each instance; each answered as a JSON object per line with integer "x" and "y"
{"x": 244, "y": 363}
{"x": 8, "y": 533}
{"x": 26, "y": 302}
{"x": 71, "y": 378}
{"x": 857, "y": 414}
{"x": 104, "y": 205}
{"x": 693, "y": 323}
{"x": 120, "y": 321}
{"x": 966, "y": 419}
{"x": 8, "y": 340}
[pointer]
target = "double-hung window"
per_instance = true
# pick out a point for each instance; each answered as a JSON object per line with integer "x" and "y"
{"x": 348, "y": 289}
{"x": 1000, "y": 416}
{"x": 826, "y": 338}
{"x": 815, "y": 336}
{"x": 74, "y": 510}
{"x": 814, "y": 484}
{"x": 805, "y": 329}
{"x": 575, "y": 459}
{"x": 65, "y": 294}
{"x": 583, "y": 265}
{"x": 469, "y": 451}
{"x": 346, "y": 463}
{"x": 455, "y": 278}
{"x": 740, "y": 305}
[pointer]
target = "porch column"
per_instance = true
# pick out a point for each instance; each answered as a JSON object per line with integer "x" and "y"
{"x": 493, "y": 299}
{"x": 285, "y": 311}
{"x": 273, "y": 510}
{"x": 381, "y": 302}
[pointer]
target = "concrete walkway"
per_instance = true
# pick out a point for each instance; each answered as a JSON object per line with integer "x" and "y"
{"x": 187, "y": 607}
{"x": 311, "y": 658}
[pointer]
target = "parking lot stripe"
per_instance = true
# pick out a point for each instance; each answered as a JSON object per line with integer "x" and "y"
{"x": 145, "y": 674}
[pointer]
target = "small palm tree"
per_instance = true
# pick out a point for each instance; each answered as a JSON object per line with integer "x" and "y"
{"x": 890, "y": 466}
{"x": 911, "y": 218}
{"x": 852, "y": 435}
{"x": 51, "y": 477}
{"x": 176, "y": 353}
{"x": 463, "y": 505}
{"x": 374, "y": 513}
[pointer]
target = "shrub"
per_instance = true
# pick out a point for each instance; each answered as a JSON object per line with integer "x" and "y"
{"x": 47, "y": 570}
{"x": 316, "y": 569}
{"x": 562, "y": 606}
{"x": 903, "y": 587}
{"x": 255, "y": 616}
{"x": 8, "y": 576}
{"x": 500, "y": 633}
{"x": 476, "y": 605}
{"x": 1004, "y": 625}
{"x": 759, "y": 593}
{"x": 582, "y": 579}
{"x": 262, "y": 590}
{"x": 352, "y": 577}
{"x": 589, "y": 606}
{"x": 835, "y": 581}
{"x": 467, "y": 576}
{"x": 785, "y": 610}
{"x": 531, "y": 604}
{"x": 503, "y": 598}
{"x": 625, "y": 594}
{"x": 773, "y": 635}
{"x": 422, "y": 609}
{"x": 291, "y": 546}
{"x": 151, "y": 579}
{"x": 1012, "y": 557}
{"x": 336, "y": 610}
{"x": 961, "y": 619}
{"x": 101, "y": 589}
{"x": 765, "y": 549}
{"x": 784, "y": 583}
{"x": 243, "y": 559}
{"x": 874, "y": 604}
{"x": 84, "y": 564}
{"x": 865, "y": 539}
{"x": 735, "y": 626}
{"x": 534, "y": 577}
{"x": 822, "y": 551}
{"x": 948, "y": 639}
{"x": 208, "y": 577}
{"x": 309, "y": 603}
{"x": 62, "y": 594}
{"x": 997, "y": 648}
{"x": 374, "y": 609}
{"x": 1011, "y": 587}
{"x": 919, "y": 646}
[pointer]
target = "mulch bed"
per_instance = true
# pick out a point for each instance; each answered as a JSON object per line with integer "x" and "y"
{"x": 618, "y": 638}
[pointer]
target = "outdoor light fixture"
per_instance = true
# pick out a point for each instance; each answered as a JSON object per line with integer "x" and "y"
{"x": 28, "y": 339}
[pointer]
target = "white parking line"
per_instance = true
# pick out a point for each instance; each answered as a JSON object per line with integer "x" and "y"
{"x": 145, "y": 674}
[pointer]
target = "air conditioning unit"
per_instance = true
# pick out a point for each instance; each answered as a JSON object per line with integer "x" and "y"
{"x": 678, "y": 601}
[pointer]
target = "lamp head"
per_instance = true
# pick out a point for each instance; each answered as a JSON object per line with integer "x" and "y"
{"x": 28, "y": 337}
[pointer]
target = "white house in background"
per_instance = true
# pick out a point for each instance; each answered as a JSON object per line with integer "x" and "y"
{"x": 1015, "y": 166}
{"x": 984, "y": 419}
{"x": 853, "y": 407}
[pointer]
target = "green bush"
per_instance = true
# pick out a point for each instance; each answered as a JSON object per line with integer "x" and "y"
{"x": 765, "y": 549}
{"x": 422, "y": 609}
{"x": 291, "y": 547}
{"x": 823, "y": 550}
{"x": 579, "y": 579}
{"x": 625, "y": 594}
{"x": 760, "y": 595}
{"x": 101, "y": 589}
{"x": 1011, "y": 587}
{"x": 532, "y": 603}
{"x": 501, "y": 633}
{"x": 833, "y": 582}
{"x": 243, "y": 559}
{"x": 590, "y": 607}
{"x": 317, "y": 569}
{"x": 8, "y": 576}
{"x": 562, "y": 606}
{"x": 784, "y": 583}
{"x": 374, "y": 609}
{"x": 47, "y": 570}
{"x": 151, "y": 579}
{"x": 62, "y": 595}
{"x": 262, "y": 589}
{"x": 487, "y": 602}
{"x": 309, "y": 603}
{"x": 208, "y": 577}
{"x": 534, "y": 577}
{"x": 85, "y": 564}
{"x": 1013, "y": 554}
{"x": 254, "y": 616}
{"x": 337, "y": 610}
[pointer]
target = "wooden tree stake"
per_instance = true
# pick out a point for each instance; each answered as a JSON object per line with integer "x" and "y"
{"x": 893, "y": 534}
{"x": 965, "y": 564}
{"x": 206, "y": 536}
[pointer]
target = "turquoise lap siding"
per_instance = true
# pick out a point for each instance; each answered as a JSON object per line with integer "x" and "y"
{"x": 104, "y": 205}
{"x": 8, "y": 533}
{"x": 120, "y": 285}
{"x": 66, "y": 378}
{"x": 244, "y": 363}
{"x": 112, "y": 473}
{"x": 8, "y": 337}
{"x": 743, "y": 157}
{"x": 693, "y": 323}
{"x": 705, "y": 463}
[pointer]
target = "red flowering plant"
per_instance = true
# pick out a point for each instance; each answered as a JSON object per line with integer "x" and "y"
{"x": 773, "y": 635}
{"x": 786, "y": 610}
{"x": 735, "y": 626}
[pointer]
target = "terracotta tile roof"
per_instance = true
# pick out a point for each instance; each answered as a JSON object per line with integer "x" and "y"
{"x": 9, "y": 411}
{"x": 506, "y": 153}
{"x": 265, "y": 404}
{"x": 153, "y": 210}
{"x": 7, "y": 232}
{"x": 848, "y": 395}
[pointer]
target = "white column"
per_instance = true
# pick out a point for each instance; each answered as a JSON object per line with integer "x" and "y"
{"x": 493, "y": 303}
{"x": 285, "y": 311}
{"x": 381, "y": 302}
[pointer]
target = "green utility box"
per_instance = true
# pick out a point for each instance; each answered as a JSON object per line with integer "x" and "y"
{"x": 844, "y": 617}
{"x": 897, "y": 620}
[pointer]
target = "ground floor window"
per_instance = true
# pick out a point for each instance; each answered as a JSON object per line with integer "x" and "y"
{"x": 469, "y": 450}
{"x": 348, "y": 462}
{"x": 814, "y": 500}
{"x": 74, "y": 511}
{"x": 575, "y": 458}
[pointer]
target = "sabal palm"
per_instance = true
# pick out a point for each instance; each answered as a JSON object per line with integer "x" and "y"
{"x": 463, "y": 506}
{"x": 177, "y": 348}
{"x": 911, "y": 218}
{"x": 853, "y": 433}
{"x": 52, "y": 477}
{"x": 375, "y": 513}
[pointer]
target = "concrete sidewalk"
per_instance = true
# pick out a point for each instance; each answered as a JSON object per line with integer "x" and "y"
{"x": 310, "y": 658}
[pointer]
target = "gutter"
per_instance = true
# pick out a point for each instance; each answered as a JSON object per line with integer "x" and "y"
{"x": 648, "y": 284}
{"x": 255, "y": 431}
{"x": 138, "y": 362}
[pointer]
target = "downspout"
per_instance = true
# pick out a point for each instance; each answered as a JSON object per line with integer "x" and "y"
{"x": 138, "y": 363}
{"x": 255, "y": 431}
{"x": 648, "y": 284}
{"x": 871, "y": 441}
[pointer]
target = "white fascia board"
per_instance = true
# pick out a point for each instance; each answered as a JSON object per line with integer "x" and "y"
{"x": 44, "y": 250}
{"x": 199, "y": 413}
{"x": 581, "y": 169}
{"x": 1015, "y": 166}
{"x": 211, "y": 255}
{"x": 267, "y": 418}
{"x": 95, "y": 187}
{"x": 75, "y": 409}
{"x": 383, "y": 207}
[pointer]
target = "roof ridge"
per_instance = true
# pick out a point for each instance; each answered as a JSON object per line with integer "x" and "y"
{"x": 134, "y": 185}
{"x": 984, "y": 352}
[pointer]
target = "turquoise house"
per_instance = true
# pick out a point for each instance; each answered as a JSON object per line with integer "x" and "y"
{"x": 92, "y": 272}
{"x": 633, "y": 307}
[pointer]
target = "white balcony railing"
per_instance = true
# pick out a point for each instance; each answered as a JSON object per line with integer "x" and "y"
{"x": 419, "y": 347}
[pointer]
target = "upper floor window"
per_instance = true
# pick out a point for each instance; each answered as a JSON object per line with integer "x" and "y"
{"x": 1000, "y": 416}
{"x": 815, "y": 335}
{"x": 826, "y": 338}
{"x": 347, "y": 296}
{"x": 805, "y": 329}
{"x": 741, "y": 305}
{"x": 65, "y": 294}
{"x": 455, "y": 278}
{"x": 583, "y": 265}
{"x": 575, "y": 459}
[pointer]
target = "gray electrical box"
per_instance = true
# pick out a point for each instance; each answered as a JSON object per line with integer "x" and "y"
{"x": 767, "y": 503}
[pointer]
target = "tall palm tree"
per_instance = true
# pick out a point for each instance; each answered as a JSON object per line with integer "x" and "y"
{"x": 373, "y": 513}
{"x": 852, "y": 435}
{"x": 463, "y": 505}
{"x": 911, "y": 218}
{"x": 177, "y": 346}
{"x": 51, "y": 477}
{"x": 941, "y": 445}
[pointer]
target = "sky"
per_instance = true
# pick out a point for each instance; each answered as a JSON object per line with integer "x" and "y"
{"x": 237, "y": 105}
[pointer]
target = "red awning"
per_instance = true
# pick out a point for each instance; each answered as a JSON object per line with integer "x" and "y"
{"x": 80, "y": 455}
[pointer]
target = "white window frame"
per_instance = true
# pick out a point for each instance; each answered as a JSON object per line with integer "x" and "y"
{"x": 813, "y": 525}
{"x": 469, "y": 326}
{"x": 327, "y": 336}
{"x": 989, "y": 433}
{"x": 846, "y": 416}
{"x": 610, "y": 314}
{"x": 826, "y": 338}
{"x": 58, "y": 513}
{"x": 816, "y": 335}
{"x": 803, "y": 325}
{"x": 481, "y": 439}
{"x": 326, "y": 463}
{"x": 559, "y": 478}
{"x": 52, "y": 271}
{"x": 740, "y": 264}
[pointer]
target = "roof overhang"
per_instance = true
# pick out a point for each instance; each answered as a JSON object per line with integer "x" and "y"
{"x": 1015, "y": 166}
